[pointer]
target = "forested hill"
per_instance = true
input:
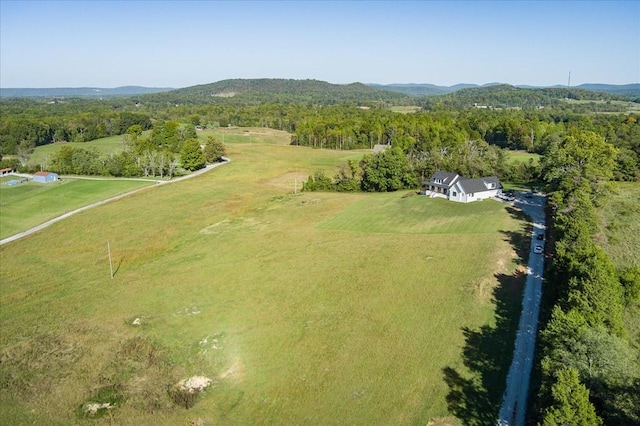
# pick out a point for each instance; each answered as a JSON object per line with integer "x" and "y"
{"x": 265, "y": 90}
{"x": 506, "y": 96}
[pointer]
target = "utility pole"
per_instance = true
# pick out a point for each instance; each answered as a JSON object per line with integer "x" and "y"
{"x": 110, "y": 264}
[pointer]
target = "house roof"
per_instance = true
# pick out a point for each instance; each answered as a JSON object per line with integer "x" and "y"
{"x": 445, "y": 177}
{"x": 479, "y": 184}
{"x": 43, "y": 173}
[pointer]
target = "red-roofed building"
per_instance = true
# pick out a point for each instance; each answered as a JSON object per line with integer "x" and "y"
{"x": 6, "y": 171}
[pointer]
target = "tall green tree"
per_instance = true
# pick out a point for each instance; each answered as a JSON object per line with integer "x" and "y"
{"x": 580, "y": 155}
{"x": 214, "y": 150}
{"x": 386, "y": 171}
{"x": 191, "y": 155}
{"x": 571, "y": 404}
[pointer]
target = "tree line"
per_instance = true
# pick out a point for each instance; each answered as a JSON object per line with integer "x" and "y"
{"x": 166, "y": 152}
{"x": 588, "y": 369}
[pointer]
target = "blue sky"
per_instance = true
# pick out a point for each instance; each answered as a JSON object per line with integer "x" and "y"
{"x": 180, "y": 44}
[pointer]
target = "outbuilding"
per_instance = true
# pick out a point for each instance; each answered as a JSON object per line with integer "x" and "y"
{"x": 45, "y": 177}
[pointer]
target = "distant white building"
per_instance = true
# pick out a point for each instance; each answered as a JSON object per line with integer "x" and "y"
{"x": 463, "y": 190}
{"x": 380, "y": 148}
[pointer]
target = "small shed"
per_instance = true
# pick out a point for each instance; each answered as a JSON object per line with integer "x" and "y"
{"x": 6, "y": 171}
{"x": 45, "y": 177}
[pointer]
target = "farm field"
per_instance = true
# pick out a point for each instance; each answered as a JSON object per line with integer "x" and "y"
{"x": 26, "y": 205}
{"x": 302, "y": 308}
{"x": 107, "y": 145}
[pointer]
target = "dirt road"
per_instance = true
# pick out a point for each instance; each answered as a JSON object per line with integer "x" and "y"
{"x": 514, "y": 401}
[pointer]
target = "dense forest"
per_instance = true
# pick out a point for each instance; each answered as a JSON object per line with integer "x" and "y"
{"x": 587, "y": 140}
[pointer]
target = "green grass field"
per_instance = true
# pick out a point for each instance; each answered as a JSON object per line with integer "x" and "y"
{"x": 522, "y": 156}
{"x": 29, "y": 204}
{"x": 103, "y": 146}
{"x": 621, "y": 215}
{"x": 308, "y": 308}
{"x": 622, "y": 225}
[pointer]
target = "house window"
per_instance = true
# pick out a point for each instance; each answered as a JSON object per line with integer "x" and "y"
{"x": 455, "y": 194}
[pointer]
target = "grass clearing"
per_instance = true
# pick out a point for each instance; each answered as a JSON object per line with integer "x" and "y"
{"x": 522, "y": 156}
{"x": 406, "y": 109}
{"x": 297, "y": 311}
{"x": 26, "y": 205}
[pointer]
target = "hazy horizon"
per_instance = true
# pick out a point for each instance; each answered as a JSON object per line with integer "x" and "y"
{"x": 169, "y": 44}
{"x": 368, "y": 83}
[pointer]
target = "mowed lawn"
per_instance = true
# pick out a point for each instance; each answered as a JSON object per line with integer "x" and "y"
{"x": 296, "y": 311}
{"x": 414, "y": 214}
{"x": 26, "y": 205}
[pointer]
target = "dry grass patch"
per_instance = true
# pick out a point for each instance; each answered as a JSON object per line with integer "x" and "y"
{"x": 289, "y": 181}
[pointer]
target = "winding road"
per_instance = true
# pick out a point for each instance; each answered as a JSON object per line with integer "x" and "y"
{"x": 514, "y": 401}
{"x": 108, "y": 200}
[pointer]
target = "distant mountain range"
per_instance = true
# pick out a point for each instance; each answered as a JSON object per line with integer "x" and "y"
{"x": 230, "y": 88}
{"x": 432, "y": 90}
{"x": 79, "y": 92}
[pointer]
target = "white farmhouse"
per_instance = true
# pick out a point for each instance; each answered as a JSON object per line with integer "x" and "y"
{"x": 463, "y": 190}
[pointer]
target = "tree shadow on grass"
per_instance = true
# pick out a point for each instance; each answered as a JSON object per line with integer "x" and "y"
{"x": 476, "y": 390}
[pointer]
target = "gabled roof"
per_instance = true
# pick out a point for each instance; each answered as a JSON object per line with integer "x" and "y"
{"x": 479, "y": 184}
{"x": 444, "y": 177}
{"x": 42, "y": 173}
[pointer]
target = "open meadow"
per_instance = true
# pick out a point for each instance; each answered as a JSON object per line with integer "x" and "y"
{"x": 29, "y": 204}
{"x": 302, "y": 308}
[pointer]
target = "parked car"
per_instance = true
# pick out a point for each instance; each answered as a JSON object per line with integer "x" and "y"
{"x": 540, "y": 237}
{"x": 538, "y": 250}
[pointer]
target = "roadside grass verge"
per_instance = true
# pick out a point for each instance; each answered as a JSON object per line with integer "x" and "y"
{"x": 231, "y": 276}
{"x": 29, "y": 204}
